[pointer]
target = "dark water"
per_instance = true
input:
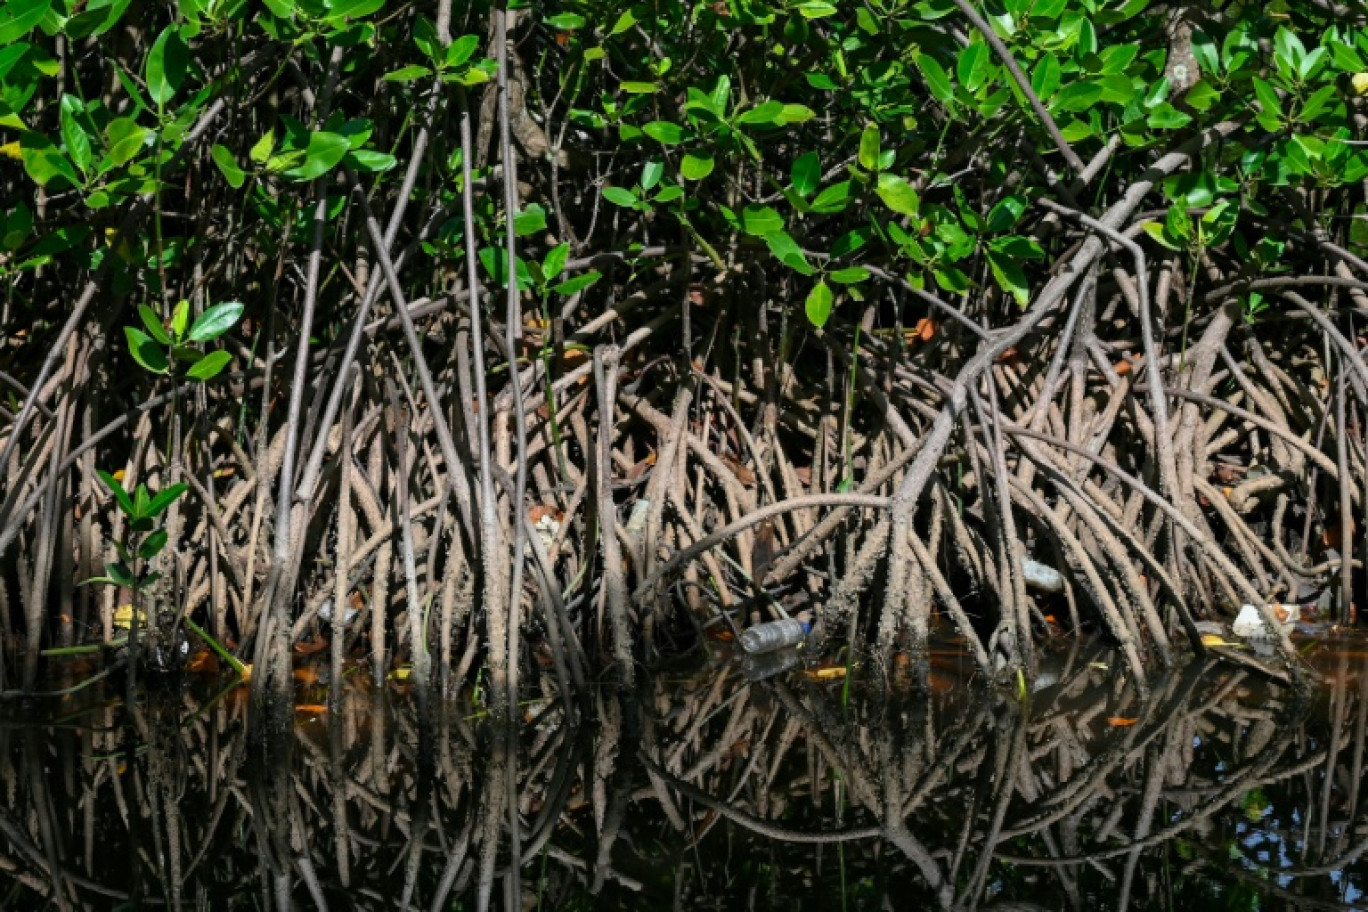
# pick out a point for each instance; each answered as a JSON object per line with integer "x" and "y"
{"x": 708, "y": 791}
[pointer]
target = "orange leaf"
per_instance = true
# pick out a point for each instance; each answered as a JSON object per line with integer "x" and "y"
{"x": 316, "y": 709}
{"x": 1122, "y": 368}
{"x": 1119, "y": 721}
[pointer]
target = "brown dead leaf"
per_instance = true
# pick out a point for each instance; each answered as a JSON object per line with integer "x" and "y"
{"x": 743, "y": 474}
{"x": 542, "y": 511}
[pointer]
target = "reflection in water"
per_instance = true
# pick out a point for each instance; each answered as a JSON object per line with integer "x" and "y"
{"x": 709, "y": 790}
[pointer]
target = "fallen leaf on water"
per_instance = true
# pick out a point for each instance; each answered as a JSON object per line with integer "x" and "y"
{"x": 1120, "y": 720}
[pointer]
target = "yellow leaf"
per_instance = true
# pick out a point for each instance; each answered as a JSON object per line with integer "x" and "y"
{"x": 1212, "y": 639}
{"x": 11, "y": 150}
{"x": 401, "y": 673}
{"x": 123, "y": 617}
{"x": 1359, "y": 81}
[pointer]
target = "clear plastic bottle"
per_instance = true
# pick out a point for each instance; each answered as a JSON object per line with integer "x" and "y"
{"x": 773, "y": 635}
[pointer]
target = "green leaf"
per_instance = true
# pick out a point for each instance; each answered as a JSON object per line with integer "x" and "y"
{"x": 761, "y": 220}
{"x": 167, "y": 65}
{"x": 937, "y": 80}
{"x": 153, "y": 544}
{"x": 1201, "y": 96}
{"x": 324, "y": 152}
{"x": 898, "y": 194}
{"x": 850, "y": 275}
{"x": 410, "y": 73}
{"x": 806, "y": 173}
{"x": 125, "y": 140}
{"x": 1046, "y": 77}
{"x": 165, "y": 498}
{"x": 20, "y": 18}
{"x": 1268, "y": 100}
{"x": 153, "y": 324}
{"x": 261, "y": 150}
{"x": 869, "y": 148}
{"x": 461, "y": 50}
{"x": 1166, "y": 117}
{"x": 816, "y": 9}
{"x": 120, "y": 495}
{"x": 1005, "y": 214}
{"x": 695, "y": 166}
{"x": 764, "y": 113}
{"x": 554, "y": 263}
{"x": 209, "y": 366}
{"x": 73, "y": 135}
{"x": 620, "y": 196}
{"x": 146, "y": 351}
{"x": 530, "y": 220}
{"x": 664, "y": 132}
{"x": 1010, "y": 276}
{"x": 180, "y": 319}
{"x": 786, "y": 249}
{"x": 651, "y": 173}
{"x": 566, "y": 22}
{"x": 972, "y": 66}
{"x": 640, "y": 88}
{"x": 818, "y": 304}
{"x": 833, "y": 199}
{"x": 624, "y": 22}
{"x": 577, "y": 284}
{"x": 371, "y": 161}
{"x": 228, "y": 165}
{"x": 44, "y": 161}
{"x": 119, "y": 574}
{"x": 795, "y": 113}
{"x": 215, "y": 321}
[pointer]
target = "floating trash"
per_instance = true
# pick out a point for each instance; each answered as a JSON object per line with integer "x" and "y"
{"x": 774, "y": 635}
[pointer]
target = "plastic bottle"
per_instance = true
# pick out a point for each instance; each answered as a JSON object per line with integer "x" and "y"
{"x": 769, "y": 664}
{"x": 773, "y": 635}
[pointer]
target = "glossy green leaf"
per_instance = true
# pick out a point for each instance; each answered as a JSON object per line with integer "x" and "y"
{"x": 819, "y": 304}
{"x": 761, "y": 220}
{"x": 869, "y": 148}
{"x": 806, "y": 173}
{"x": 168, "y": 63}
{"x": 663, "y": 131}
{"x": 215, "y": 321}
{"x": 146, "y": 351}
{"x": 154, "y": 324}
{"x": 695, "y": 166}
{"x": 209, "y": 366}
{"x": 897, "y": 194}
{"x": 228, "y": 165}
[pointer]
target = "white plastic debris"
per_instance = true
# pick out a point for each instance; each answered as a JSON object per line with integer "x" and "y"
{"x": 1041, "y": 576}
{"x": 325, "y": 613}
{"x": 1249, "y": 623}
